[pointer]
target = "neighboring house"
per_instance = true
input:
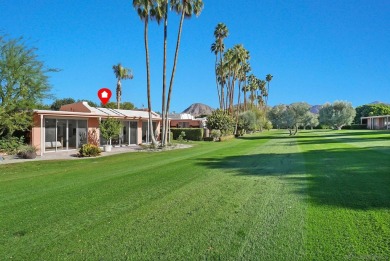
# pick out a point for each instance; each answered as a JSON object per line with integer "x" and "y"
{"x": 376, "y": 122}
{"x": 186, "y": 120}
{"x": 78, "y": 123}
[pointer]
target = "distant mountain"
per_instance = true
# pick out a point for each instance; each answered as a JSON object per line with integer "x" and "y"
{"x": 198, "y": 109}
{"x": 379, "y": 102}
{"x": 315, "y": 109}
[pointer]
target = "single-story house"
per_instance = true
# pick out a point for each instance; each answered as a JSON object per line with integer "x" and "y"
{"x": 186, "y": 120}
{"x": 376, "y": 122}
{"x": 78, "y": 123}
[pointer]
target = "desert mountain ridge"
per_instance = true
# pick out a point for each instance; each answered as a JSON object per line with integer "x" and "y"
{"x": 197, "y": 109}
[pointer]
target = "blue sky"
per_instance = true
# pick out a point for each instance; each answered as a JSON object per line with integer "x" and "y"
{"x": 318, "y": 51}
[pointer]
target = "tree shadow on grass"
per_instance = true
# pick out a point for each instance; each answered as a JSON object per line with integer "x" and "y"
{"x": 357, "y": 178}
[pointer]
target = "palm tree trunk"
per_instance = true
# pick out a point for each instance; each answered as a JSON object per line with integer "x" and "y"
{"x": 164, "y": 113}
{"x": 118, "y": 93}
{"x": 245, "y": 94}
{"x": 154, "y": 142}
{"x": 216, "y": 81}
{"x": 221, "y": 102}
{"x": 174, "y": 65}
{"x": 266, "y": 98}
{"x": 238, "y": 107}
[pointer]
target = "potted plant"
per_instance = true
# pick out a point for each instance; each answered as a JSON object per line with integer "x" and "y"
{"x": 109, "y": 128}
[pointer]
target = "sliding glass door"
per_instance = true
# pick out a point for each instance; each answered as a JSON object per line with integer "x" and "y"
{"x": 63, "y": 134}
{"x": 129, "y": 133}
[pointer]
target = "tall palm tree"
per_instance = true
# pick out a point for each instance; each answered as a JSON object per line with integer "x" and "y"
{"x": 246, "y": 69}
{"x": 216, "y": 48}
{"x": 146, "y": 10}
{"x": 186, "y": 8}
{"x": 121, "y": 73}
{"x": 222, "y": 77}
{"x": 220, "y": 33}
{"x": 268, "y": 78}
{"x": 163, "y": 12}
{"x": 262, "y": 93}
{"x": 252, "y": 84}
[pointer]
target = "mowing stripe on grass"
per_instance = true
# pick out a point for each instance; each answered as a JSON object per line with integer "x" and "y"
{"x": 349, "y": 194}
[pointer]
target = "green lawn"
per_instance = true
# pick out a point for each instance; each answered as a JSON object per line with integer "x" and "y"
{"x": 322, "y": 195}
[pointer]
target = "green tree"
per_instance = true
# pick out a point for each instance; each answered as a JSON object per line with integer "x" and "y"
{"x": 121, "y": 73}
{"x": 268, "y": 78}
{"x": 220, "y": 120}
{"x": 275, "y": 115}
{"x": 338, "y": 114}
{"x": 56, "y": 105}
{"x": 110, "y": 128}
{"x": 218, "y": 48}
{"x": 371, "y": 110}
{"x": 90, "y": 103}
{"x": 123, "y": 105}
{"x": 294, "y": 116}
{"x": 23, "y": 85}
{"x": 310, "y": 120}
{"x": 247, "y": 121}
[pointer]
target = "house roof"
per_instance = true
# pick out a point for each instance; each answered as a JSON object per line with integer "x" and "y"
{"x": 82, "y": 109}
{"x": 380, "y": 116}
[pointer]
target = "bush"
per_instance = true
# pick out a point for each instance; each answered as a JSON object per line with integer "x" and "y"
{"x": 195, "y": 134}
{"x": 268, "y": 125}
{"x": 89, "y": 150}
{"x": 215, "y": 134}
{"x": 181, "y": 136}
{"x": 226, "y": 138}
{"x": 208, "y": 139}
{"x": 220, "y": 120}
{"x": 11, "y": 145}
{"x": 110, "y": 128}
{"x": 27, "y": 152}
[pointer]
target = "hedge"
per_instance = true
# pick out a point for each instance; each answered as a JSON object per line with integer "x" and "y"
{"x": 195, "y": 134}
{"x": 359, "y": 126}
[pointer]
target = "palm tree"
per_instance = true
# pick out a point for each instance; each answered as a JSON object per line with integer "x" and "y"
{"x": 215, "y": 48}
{"x": 246, "y": 68}
{"x": 186, "y": 8}
{"x": 146, "y": 9}
{"x": 262, "y": 92}
{"x": 163, "y": 12}
{"x": 268, "y": 78}
{"x": 252, "y": 86}
{"x": 121, "y": 73}
{"x": 220, "y": 33}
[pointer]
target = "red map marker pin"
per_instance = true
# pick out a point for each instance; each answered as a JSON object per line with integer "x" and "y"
{"x": 104, "y": 95}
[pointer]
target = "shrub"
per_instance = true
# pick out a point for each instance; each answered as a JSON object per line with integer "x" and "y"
{"x": 110, "y": 128}
{"x": 226, "y": 138}
{"x": 89, "y": 150}
{"x": 195, "y": 134}
{"x": 27, "y": 152}
{"x": 11, "y": 145}
{"x": 220, "y": 120}
{"x": 181, "y": 136}
{"x": 268, "y": 125}
{"x": 215, "y": 134}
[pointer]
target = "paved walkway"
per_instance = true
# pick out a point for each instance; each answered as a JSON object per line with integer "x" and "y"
{"x": 67, "y": 155}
